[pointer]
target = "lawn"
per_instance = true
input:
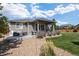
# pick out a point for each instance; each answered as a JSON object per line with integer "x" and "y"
{"x": 66, "y": 42}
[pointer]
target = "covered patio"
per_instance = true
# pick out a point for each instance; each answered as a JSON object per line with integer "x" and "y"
{"x": 41, "y": 26}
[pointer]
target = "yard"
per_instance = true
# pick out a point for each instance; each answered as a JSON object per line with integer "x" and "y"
{"x": 69, "y": 41}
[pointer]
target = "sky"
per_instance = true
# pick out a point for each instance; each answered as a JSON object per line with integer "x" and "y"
{"x": 64, "y": 13}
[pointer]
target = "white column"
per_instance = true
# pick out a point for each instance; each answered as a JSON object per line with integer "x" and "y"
{"x": 44, "y": 27}
{"x": 37, "y": 26}
{"x": 53, "y": 28}
{"x": 28, "y": 27}
{"x": 34, "y": 27}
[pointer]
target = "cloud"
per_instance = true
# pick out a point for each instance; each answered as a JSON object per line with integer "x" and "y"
{"x": 60, "y": 9}
{"x": 20, "y": 10}
{"x": 61, "y": 22}
{"x": 50, "y": 13}
{"x": 36, "y": 12}
{"x": 15, "y": 10}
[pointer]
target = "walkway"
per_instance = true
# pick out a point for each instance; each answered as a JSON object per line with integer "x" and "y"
{"x": 29, "y": 47}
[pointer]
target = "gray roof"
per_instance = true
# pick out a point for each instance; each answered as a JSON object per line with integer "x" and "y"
{"x": 21, "y": 20}
{"x": 43, "y": 19}
{"x": 31, "y": 20}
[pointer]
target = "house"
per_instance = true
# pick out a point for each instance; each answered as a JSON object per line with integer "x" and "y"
{"x": 29, "y": 26}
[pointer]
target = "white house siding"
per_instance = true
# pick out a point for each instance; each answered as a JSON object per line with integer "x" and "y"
{"x": 21, "y": 28}
{"x": 15, "y": 29}
{"x": 30, "y": 29}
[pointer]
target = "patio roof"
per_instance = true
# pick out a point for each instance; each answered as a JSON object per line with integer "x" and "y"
{"x": 43, "y": 19}
{"x": 31, "y": 20}
{"x": 21, "y": 20}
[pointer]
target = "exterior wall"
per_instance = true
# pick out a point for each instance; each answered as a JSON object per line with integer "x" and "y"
{"x": 21, "y": 27}
{"x": 15, "y": 28}
{"x": 28, "y": 27}
{"x": 31, "y": 28}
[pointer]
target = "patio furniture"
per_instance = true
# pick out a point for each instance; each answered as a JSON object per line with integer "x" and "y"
{"x": 34, "y": 32}
{"x": 16, "y": 34}
{"x": 24, "y": 33}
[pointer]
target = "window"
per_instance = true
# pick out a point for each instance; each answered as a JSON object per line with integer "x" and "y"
{"x": 19, "y": 25}
{"x": 42, "y": 27}
{"x": 36, "y": 27}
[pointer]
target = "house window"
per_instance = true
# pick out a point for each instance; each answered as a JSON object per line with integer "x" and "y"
{"x": 36, "y": 27}
{"x": 25, "y": 24}
{"x": 42, "y": 27}
{"x": 19, "y": 25}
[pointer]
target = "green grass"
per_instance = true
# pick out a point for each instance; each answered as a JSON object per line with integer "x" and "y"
{"x": 65, "y": 42}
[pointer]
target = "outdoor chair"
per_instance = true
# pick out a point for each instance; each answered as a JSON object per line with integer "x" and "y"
{"x": 33, "y": 32}
{"x": 24, "y": 33}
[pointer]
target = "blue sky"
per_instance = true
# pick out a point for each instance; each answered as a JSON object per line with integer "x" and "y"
{"x": 64, "y": 13}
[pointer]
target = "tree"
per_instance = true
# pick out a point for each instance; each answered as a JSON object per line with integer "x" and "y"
{"x": 4, "y": 28}
{"x": 1, "y": 7}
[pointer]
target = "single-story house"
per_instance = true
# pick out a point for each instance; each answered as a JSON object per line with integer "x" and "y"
{"x": 29, "y": 26}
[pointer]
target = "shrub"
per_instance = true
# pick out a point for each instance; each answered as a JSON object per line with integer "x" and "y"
{"x": 40, "y": 34}
{"x": 0, "y": 35}
{"x": 46, "y": 50}
{"x": 57, "y": 32}
{"x": 74, "y": 30}
{"x": 76, "y": 43}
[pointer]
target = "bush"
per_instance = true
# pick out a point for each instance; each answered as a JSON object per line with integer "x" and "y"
{"x": 46, "y": 50}
{"x": 57, "y": 32}
{"x": 0, "y": 35}
{"x": 76, "y": 43}
{"x": 74, "y": 30}
{"x": 49, "y": 33}
{"x": 40, "y": 34}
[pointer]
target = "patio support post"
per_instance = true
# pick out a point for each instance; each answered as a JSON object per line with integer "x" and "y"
{"x": 28, "y": 27}
{"x": 44, "y": 27}
{"x": 53, "y": 28}
{"x": 37, "y": 26}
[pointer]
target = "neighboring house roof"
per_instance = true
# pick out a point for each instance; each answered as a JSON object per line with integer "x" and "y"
{"x": 31, "y": 20}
